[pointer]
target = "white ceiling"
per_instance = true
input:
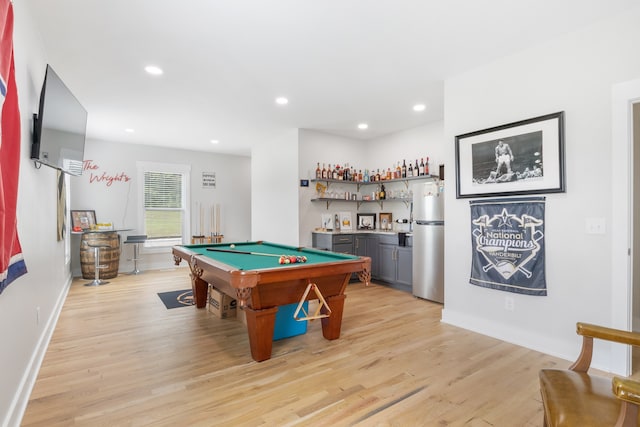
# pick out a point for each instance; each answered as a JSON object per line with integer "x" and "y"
{"x": 339, "y": 62}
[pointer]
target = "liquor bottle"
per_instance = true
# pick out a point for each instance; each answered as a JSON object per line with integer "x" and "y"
{"x": 360, "y": 176}
{"x": 410, "y": 171}
{"x": 346, "y": 174}
{"x": 421, "y": 170}
{"x": 404, "y": 169}
{"x": 388, "y": 173}
{"x": 324, "y": 172}
{"x": 383, "y": 194}
{"x": 335, "y": 172}
{"x": 366, "y": 175}
{"x": 416, "y": 169}
{"x": 426, "y": 167}
{"x": 398, "y": 174}
{"x": 318, "y": 172}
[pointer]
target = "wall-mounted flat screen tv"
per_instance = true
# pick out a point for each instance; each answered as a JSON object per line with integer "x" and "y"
{"x": 59, "y": 127}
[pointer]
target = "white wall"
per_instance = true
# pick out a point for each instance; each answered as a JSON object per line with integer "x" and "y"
{"x": 30, "y": 304}
{"x": 324, "y": 148}
{"x": 274, "y": 181}
{"x": 117, "y": 201}
{"x": 417, "y": 143}
{"x": 575, "y": 74}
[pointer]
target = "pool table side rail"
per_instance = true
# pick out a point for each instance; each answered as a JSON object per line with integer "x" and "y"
{"x": 249, "y": 278}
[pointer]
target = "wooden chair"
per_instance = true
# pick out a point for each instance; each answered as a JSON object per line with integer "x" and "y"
{"x": 576, "y": 398}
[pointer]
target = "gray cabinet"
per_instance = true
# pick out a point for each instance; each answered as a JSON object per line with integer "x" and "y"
{"x": 396, "y": 262}
{"x": 404, "y": 265}
{"x": 388, "y": 265}
{"x": 390, "y": 262}
{"x": 342, "y": 243}
{"x": 367, "y": 245}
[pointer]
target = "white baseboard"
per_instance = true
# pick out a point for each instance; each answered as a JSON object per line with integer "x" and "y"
{"x": 507, "y": 333}
{"x": 21, "y": 398}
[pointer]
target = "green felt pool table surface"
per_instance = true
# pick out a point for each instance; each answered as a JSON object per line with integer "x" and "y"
{"x": 243, "y": 261}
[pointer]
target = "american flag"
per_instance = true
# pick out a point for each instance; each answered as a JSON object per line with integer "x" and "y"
{"x": 12, "y": 263}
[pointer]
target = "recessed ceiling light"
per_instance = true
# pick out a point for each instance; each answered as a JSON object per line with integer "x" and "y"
{"x": 282, "y": 100}
{"x": 153, "y": 70}
{"x": 363, "y": 126}
{"x": 419, "y": 107}
{"x": 129, "y": 130}
{"x": 214, "y": 141}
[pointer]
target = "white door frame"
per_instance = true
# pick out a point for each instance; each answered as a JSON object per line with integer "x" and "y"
{"x": 623, "y": 96}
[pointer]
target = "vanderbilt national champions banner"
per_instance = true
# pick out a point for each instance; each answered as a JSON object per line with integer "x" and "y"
{"x": 507, "y": 238}
{"x": 11, "y": 262}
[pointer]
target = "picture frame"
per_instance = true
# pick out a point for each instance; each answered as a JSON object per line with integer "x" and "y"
{"x": 366, "y": 221}
{"x": 386, "y": 220}
{"x": 345, "y": 221}
{"x": 524, "y": 157}
{"x": 86, "y": 220}
{"x": 327, "y": 221}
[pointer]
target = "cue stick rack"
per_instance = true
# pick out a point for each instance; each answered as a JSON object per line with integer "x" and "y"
{"x": 215, "y": 236}
{"x": 316, "y": 314}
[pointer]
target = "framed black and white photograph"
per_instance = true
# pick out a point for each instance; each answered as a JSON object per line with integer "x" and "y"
{"x": 367, "y": 221}
{"x": 85, "y": 220}
{"x": 525, "y": 157}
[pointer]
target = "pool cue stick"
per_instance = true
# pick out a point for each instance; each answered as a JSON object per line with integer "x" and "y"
{"x": 242, "y": 252}
{"x": 260, "y": 242}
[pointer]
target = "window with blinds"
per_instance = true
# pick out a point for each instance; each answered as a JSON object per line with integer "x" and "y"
{"x": 163, "y": 205}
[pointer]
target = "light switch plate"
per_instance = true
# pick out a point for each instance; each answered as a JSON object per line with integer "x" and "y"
{"x": 595, "y": 225}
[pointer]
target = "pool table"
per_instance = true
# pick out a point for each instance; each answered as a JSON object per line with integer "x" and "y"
{"x": 251, "y": 273}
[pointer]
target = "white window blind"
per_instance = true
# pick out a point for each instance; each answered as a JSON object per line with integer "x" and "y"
{"x": 163, "y": 205}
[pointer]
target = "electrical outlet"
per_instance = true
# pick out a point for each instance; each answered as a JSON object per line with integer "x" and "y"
{"x": 509, "y": 304}
{"x": 595, "y": 225}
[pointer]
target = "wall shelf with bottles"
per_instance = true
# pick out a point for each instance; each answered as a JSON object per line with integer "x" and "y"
{"x": 330, "y": 200}
{"x": 359, "y": 184}
{"x": 404, "y": 197}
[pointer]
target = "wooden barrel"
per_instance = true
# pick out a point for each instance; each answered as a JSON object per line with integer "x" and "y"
{"x": 109, "y": 254}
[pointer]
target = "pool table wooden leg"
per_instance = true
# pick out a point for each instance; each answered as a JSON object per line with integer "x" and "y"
{"x": 199, "y": 288}
{"x": 331, "y": 325}
{"x": 260, "y": 326}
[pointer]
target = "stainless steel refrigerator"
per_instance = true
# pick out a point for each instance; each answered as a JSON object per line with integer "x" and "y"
{"x": 428, "y": 241}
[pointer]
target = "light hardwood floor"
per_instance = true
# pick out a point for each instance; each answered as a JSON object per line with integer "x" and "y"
{"x": 119, "y": 357}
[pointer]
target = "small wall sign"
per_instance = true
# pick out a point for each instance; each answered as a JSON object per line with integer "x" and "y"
{"x": 208, "y": 180}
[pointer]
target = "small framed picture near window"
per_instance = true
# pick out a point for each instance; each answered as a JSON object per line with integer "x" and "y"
{"x": 367, "y": 221}
{"x": 525, "y": 157}
{"x": 345, "y": 221}
{"x": 85, "y": 220}
{"x": 386, "y": 221}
